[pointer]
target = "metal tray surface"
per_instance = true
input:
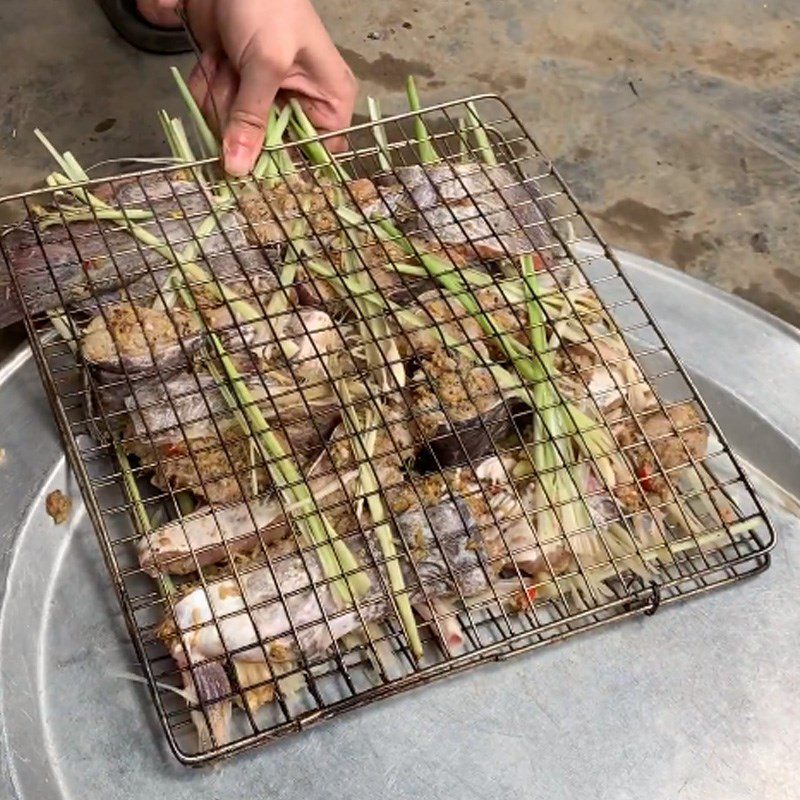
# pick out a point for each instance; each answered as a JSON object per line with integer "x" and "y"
{"x": 610, "y": 703}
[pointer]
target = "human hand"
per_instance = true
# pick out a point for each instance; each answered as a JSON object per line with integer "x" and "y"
{"x": 162, "y": 13}
{"x": 254, "y": 51}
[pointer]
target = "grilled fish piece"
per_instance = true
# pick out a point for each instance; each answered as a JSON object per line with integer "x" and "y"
{"x": 460, "y": 412}
{"x": 71, "y": 265}
{"x": 208, "y": 535}
{"x": 138, "y": 339}
{"x": 292, "y": 594}
{"x": 478, "y": 211}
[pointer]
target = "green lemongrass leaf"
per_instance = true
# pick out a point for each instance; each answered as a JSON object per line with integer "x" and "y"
{"x": 184, "y": 147}
{"x": 169, "y": 133}
{"x": 484, "y": 145}
{"x": 383, "y": 531}
{"x": 315, "y": 150}
{"x": 463, "y": 141}
{"x": 269, "y": 164}
{"x": 427, "y": 152}
{"x": 139, "y": 510}
{"x": 379, "y": 134}
{"x": 57, "y": 157}
{"x": 207, "y": 138}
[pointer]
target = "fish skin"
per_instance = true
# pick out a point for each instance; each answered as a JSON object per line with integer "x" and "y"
{"x": 448, "y": 559}
{"x": 106, "y": 343}
{"x": 469, "y": 441}
{"x": 194, "y": 400}
{"x": 56, "y": 267}
{"x": 70, "y": 265}
{"x": 484, "y": 211}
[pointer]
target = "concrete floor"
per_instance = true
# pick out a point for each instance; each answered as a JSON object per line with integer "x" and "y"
{"x": 676, "y": 122}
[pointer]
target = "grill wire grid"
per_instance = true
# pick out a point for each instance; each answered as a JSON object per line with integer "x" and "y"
{"x": 561, "y": 600}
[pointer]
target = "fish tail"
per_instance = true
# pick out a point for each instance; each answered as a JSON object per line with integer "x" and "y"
{"x": 208, "y": 685}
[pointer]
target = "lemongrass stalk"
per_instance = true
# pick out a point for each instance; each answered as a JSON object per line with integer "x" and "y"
{"x": 383, "y": 531}
{"x": 287, "y": 477}
{"x": 140, "y": 512}
{"x": 316, "y": 149}
{"x": 57, "y": 157}
{"x": 381, "y": 350}
{"x": 207, "y": 138}
{"x": 379, "y": 134}
{"x": 186, "y": 504}
{"x": 484, "y": 145}
{"x": 427, "y": 152}
{"x": 463, "y": 141}
{"x": 75, "y": 168}
{"x": 206, "y": 228}
{"x": 58, "y": 321}
{"x": 169, "y": 134}
{"x": 182, "y": 140}
{"x": 68, "y": 215}
{"x": 346, "y": 287}
{"x": 267, "y": 165}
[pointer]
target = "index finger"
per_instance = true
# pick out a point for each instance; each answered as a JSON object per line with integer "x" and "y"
{"x": 247, "y": 123}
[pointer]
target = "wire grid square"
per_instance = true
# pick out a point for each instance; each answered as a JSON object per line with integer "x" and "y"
{"x": 197, "y": 433}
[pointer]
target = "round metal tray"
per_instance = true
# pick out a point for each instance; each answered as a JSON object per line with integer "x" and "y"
{"x": 695, "y": 700}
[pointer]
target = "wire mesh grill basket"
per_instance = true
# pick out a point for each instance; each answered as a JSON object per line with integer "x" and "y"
{"x": 361, "y": 424}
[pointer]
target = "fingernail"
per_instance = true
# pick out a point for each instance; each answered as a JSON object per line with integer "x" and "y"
{"x": 238, "y": 158}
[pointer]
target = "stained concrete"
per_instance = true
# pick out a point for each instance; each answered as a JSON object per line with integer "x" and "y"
{"x": 677, "y": 123}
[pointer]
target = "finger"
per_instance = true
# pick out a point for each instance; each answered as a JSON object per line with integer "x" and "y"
{"x": 327, "y": 88}
{"x": 162, "y": 13}
{"x": 220, "y": 97}
{"x": 202, "y": 76}
{"x": 247, "y": 123}
{"x": 199, "y": 16}
{"x": 325, "y": 120}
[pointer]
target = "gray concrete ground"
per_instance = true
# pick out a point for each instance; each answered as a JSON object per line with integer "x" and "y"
{"x": 676, "y": 121}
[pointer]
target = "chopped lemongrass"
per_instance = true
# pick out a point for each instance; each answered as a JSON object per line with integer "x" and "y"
{"x": 207, "y": 138}
{"x": 427, "y": 152}
{"x": 371, "y": 488}
{"x": 484, "y": 145}
{"x": 268, "y": 165}
{"x": 140, "y": 512}
{"x": 333, "y": 553}
{"x": 379, "y": 134}
{"x": 463, "y": 141}
{"x": 186, "y": 503}
{"x": 316, "y": 150}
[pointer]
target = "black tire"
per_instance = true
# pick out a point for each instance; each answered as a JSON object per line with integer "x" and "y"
{"x": 137, "y": 31}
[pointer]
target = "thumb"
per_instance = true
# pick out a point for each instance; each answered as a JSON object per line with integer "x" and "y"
{"x": 247, "y": 123}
